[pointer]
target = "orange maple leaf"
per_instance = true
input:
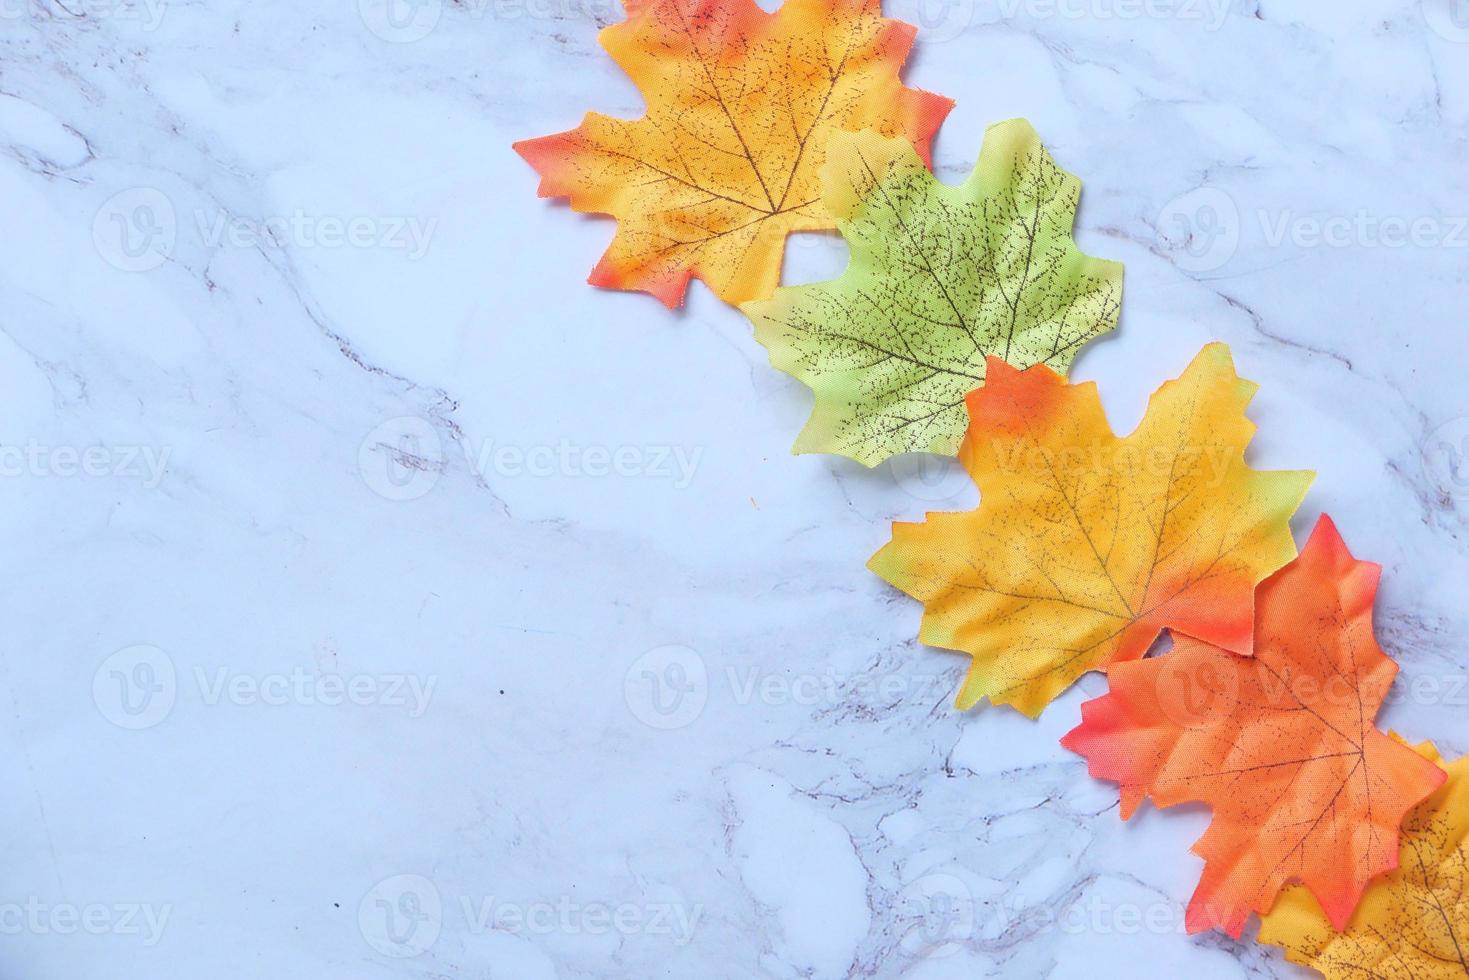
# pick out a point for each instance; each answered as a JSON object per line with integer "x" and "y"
{"x": 1086, "y": 546}
{"x": 725, "y": 163}
{"x": 1282, "y": 745}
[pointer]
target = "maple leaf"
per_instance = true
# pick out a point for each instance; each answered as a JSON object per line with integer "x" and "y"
{"x": 1413, "y": 923}
{"x": 724, "y": 164}
{"x": 940, "y": 279}
{"x": 1086, "y": 546}
{"x": 1282, "y": 745}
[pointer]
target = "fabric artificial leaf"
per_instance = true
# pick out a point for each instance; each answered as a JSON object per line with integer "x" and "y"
{"x": 1413, "y": 923}
{"x": 725, "y": 163}
{"x": 941, "y": 278}
{"x": 1282, "y": 745}
{"x": 1085, "y": 546}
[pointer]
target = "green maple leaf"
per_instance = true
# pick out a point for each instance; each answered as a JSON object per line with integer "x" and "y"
{"x": 940, "y": 278}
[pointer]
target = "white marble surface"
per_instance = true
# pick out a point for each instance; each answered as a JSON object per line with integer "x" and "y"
{"x": 440, "y": 661}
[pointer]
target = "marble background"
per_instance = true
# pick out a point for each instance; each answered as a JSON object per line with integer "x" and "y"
{"x": 384, "y": 602}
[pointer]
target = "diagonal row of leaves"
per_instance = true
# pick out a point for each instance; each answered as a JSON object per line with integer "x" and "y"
{"x": 1086, "y": 547}
{"x": 951, "y": 330}
{"x": 762, "y": 124}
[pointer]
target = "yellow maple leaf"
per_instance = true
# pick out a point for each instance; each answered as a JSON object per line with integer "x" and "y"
{"x": 726, "y": 161}
{"x": 1413, "y": 923}
{"x": 1085, "y": 546}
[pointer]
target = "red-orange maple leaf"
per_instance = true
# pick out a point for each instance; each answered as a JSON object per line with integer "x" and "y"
{"x": 1282, "y": 745}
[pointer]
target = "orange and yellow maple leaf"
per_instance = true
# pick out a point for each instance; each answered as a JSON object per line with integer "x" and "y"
{"x": 1413, "y": 923}
{"x": 1282, "y": 745}
{"x": 726, "y": 161}
{"x": 1086, "y": 546}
